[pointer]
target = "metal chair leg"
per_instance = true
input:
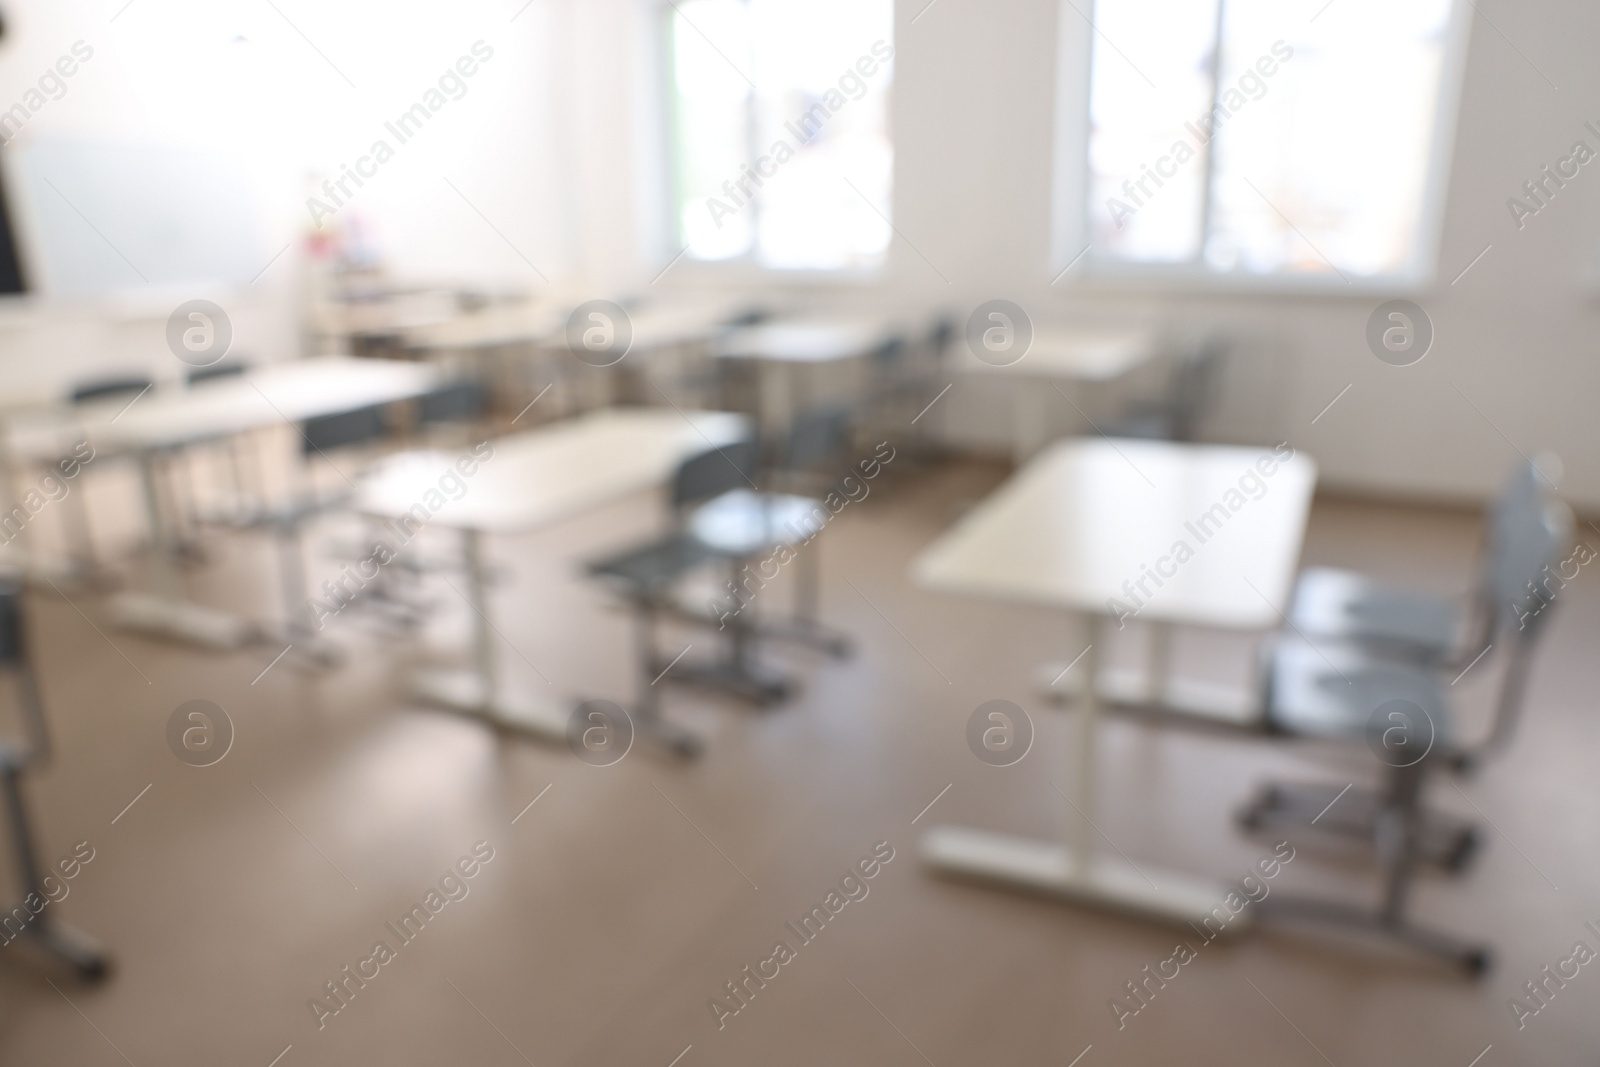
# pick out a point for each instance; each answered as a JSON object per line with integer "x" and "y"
{"x": 1341, "y": 811}
{"x": 647, "y": 706}
{"x": 58, "y": 940}
{"x": 1397, "y": 838}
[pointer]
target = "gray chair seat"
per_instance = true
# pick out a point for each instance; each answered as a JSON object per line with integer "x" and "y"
{"x": 1349, "y": 606}
{"x": 743, "y": 522}
{"x": 1141, "y": 425}
{"x": 648, "y": 572}
{"x": 1336, "y": 693}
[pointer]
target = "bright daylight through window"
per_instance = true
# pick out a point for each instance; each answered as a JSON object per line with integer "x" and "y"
{"x": 1258, "y": 137}
{"x": 780, "y": 132}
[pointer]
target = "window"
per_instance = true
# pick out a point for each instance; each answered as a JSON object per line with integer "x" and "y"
{"x": 779, "y": 131}
{"x": 1261, "y": 138}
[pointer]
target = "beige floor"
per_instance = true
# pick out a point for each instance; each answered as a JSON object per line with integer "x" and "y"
{"x": 621, "y": 902}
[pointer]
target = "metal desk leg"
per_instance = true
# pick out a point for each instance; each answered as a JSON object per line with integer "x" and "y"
{"x": 1078, "y": 871}
{"x": 82, "y": 954}
{"x": 299, "y": 620}
{"x": 1031, "y": 417}
{"x": 1080, "y": 836}
{"x": 476, "y": 690}
{"x": 164, "y": 612}
{"x": 1155, "y": 691}
{"x": 1160, "y": 666}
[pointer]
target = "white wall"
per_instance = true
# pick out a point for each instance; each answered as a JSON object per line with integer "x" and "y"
{"x": 973, "y": 114}
{"x": 557, "y": 141}
{"x": 291, "y": 94}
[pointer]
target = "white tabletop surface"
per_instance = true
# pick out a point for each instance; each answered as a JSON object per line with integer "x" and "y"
{"x": 1073, "y": 353}
{"x": 175, "y": 414}
{"x": 808, "y": 340}
{"x": 675, "y": 321}
{"x": 547, "y": 474}
{"x": 497, "y": 324}
{"x": 1086, "y": 515}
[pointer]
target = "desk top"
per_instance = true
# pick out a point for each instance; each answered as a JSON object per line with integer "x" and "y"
{"x": 1086, "y": 516}
{"x": 497, "y": 324}
{"x": 809, "y": 340}
{"x": 674, "y": 321}
{"x": 172, "y": 415}
{"x": 544, "y": 475}
{"x": 1073, "y": 353}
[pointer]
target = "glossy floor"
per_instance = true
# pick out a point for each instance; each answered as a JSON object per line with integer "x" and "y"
{"x": 625, "y": 898}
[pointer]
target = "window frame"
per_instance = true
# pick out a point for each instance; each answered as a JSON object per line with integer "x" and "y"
{"x": 744, "y": 269}
{"x": 1072, "y": 211}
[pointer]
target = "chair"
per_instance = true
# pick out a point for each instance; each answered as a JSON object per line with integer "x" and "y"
{"x": 1339, "y": 693}
{"x": 902, "y": 379}
{"x": 245, "y": 500}
{"x": 462, "y": 401}
{"x": 78, "y": 528}
{"x": 396, "y": 591}
{"x": 1349, "y": 607}
{"x": 743, "y": 523}
{"x": 227, "y": 369}
{"x": 40, "y": 927}
{"x": 647, "y": 575}
{"x": 319, "y": 436}
{"x": 1177, "y": 414}
{"x": 704, "y": 380}
{"x": 108, "y": 388}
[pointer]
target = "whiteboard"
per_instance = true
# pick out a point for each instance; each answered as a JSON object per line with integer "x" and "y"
{"x": 98, "y": 217}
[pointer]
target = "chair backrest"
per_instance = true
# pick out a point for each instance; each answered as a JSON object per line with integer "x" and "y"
{"x": 1530, "y": 531}
{"x": 713, "y": 472}
{"x": 815, "y": 438}
{"x": 1192, "y": 385}
{"x": 458, "y": 402}
{"x": 887, "y": 356}
{"x": 14, "y": 658}
{"x": 1520, "y": 496}
{"x": 749, "y": 317}
{"x": 326, "y": 432}
{"x": 110, "y": 386}
{"x": 226, "y": 369}
{"x": 11, "y": 641}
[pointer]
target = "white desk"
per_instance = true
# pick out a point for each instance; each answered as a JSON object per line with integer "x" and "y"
{"x": 670, "y": 340}
{"x": 175, "y": 416}
{"x": 807, "y": 340}
{"x": 669, "y": 322}
{"x": 1066, "y": 532}
{"x": 535, "y": 479}
{"x": 1070, "y": 356}
{"x": 495, "y": 326}
{"x": 785, "y": 347}
{"x": 168, "y": 418}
